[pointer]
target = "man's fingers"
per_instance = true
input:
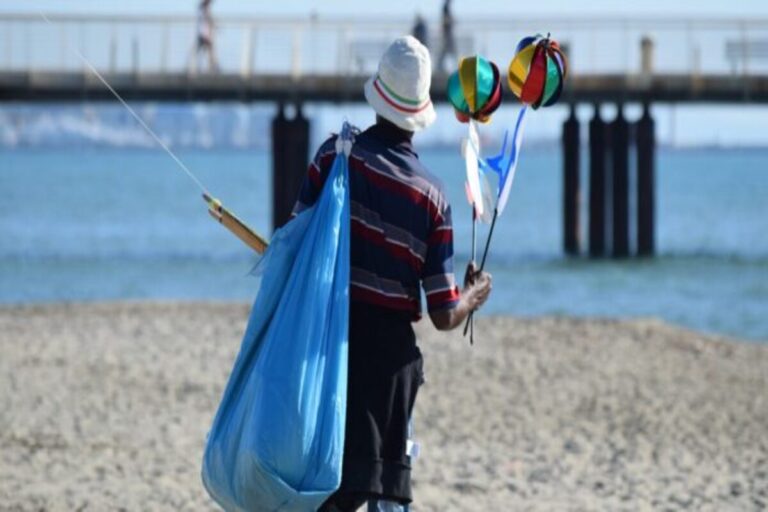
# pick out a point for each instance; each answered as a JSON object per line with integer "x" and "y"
{"x": 483, "y": 279}
{"x": 471, "y": 274}
{"x": 479, "y": 286}
{"x": 483, "y": 287}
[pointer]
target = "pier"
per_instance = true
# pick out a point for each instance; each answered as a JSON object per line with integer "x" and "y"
{"x": 293, "y": 62}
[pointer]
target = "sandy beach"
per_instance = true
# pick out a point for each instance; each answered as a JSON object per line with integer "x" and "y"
{"x": 106, "y": 407}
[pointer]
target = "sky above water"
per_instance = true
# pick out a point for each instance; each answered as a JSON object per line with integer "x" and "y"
{"x": 733, "y": 8}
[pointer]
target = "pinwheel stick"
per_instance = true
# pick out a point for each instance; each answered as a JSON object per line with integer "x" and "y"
{"x": 474, "y": 254}
{"x": 482, "y": 266}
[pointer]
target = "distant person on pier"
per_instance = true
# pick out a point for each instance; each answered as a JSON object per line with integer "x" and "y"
{"x": 204, "y": 45}
{"x": 448, "y": 44}
{"x": 401, "y": 243}
{"x": 420, "y": 31}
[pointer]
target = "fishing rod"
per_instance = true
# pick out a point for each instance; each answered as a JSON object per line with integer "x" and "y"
{"x": 215, "y": 208}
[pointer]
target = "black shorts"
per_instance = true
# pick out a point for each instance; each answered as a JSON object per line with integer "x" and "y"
{"x": 385, "y": 372}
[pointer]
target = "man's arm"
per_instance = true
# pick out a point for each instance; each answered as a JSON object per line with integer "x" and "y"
{"x": 448, "y": 307}
{"x": 477, "y": 288}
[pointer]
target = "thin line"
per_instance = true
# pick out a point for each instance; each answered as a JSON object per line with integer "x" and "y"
{"x": 135, "y": 115}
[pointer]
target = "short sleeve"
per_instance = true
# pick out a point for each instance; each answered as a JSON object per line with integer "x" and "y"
{"x": 317, "y": 173}
{"x": 438, "y": 279}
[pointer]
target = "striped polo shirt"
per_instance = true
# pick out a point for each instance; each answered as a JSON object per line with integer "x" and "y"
{"x": 402, "y": 236}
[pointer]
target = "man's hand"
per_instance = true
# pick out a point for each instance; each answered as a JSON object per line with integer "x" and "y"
{"x": 477, "y": 289}
{"x": 469, "y": 274}
{"x": 477, "y": 286}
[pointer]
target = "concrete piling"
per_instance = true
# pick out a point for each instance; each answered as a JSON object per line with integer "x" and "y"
{"x": 646, "y": 149}
{"x": 597, "y": 171}
{"x": 571, "y": 188}
{"x": 290, "y": 155}
{"x": 620, "y": 177}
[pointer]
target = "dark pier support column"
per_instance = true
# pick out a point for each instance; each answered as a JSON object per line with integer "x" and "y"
{"x": 620, "y": 161}
{"x": 571, "y": 191}
{"x": 597, "y": 168}
{"x": 646, "y": 149}
{"x": 290, "y": 156}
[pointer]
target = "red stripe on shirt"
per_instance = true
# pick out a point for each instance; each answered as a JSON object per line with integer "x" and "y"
{"x": 438, "y": 299}
{"x": 314, "y": 175}
{"x": 440, "y": 236}
{"x": 387, "y": 183}
{"x": 318, "y": 169}
{"x": 326, "y": 159}
{"x": 361, "y": 294}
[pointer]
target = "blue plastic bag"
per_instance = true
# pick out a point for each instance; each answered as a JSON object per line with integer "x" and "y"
{"x": 278, "y": 437}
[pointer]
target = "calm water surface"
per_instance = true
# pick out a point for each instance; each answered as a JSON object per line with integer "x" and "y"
{"x": 127, "y": 224}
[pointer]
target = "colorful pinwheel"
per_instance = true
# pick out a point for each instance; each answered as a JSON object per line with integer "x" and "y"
{"x": 474, "y": 90}
{"x": 537, "y": 71}
{"x": 536, "y": 75}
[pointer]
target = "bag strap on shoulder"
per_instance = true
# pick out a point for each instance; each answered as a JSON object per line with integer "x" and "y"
{"x": 346, "y": 139}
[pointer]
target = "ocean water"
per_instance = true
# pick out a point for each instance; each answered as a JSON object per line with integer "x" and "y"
{"x": 108, "y": 224}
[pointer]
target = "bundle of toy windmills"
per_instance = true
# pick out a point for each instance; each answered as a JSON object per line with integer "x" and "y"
{"x": 535, "y": 76}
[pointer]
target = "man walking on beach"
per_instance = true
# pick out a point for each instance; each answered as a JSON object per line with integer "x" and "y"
{"x": 402, "y": 239}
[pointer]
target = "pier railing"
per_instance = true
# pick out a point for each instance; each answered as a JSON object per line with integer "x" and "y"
{"x": 318, "y": 45}
{"x": 295, "y": 60}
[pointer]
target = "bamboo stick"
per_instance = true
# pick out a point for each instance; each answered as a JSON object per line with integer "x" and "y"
{"x": 230, "y": 221}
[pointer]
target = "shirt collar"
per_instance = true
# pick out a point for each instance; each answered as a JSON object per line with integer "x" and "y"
{"x": 391, "y": 136}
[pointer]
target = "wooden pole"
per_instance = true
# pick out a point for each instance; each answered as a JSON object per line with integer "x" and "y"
{"x": 230, "y": 221}
{"x": 646, "y": 149}
{"x": 571, "y": 192}
{"x": 620, "y": 163}
{"x": 597, "y": 133}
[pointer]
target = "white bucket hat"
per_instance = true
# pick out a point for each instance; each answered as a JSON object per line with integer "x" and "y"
{"x": 399, "y": 92}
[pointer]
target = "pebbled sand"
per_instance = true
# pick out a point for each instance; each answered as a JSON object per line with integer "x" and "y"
{"x": 106, "y": 406}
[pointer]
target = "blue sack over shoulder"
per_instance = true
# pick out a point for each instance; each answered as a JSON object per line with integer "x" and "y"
{"x": 278, "y": 437}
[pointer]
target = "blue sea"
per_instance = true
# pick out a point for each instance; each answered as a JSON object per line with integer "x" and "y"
{"x": 117, "y": 224}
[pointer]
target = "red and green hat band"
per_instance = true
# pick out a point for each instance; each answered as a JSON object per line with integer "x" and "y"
{"x": 400, "y": 103}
